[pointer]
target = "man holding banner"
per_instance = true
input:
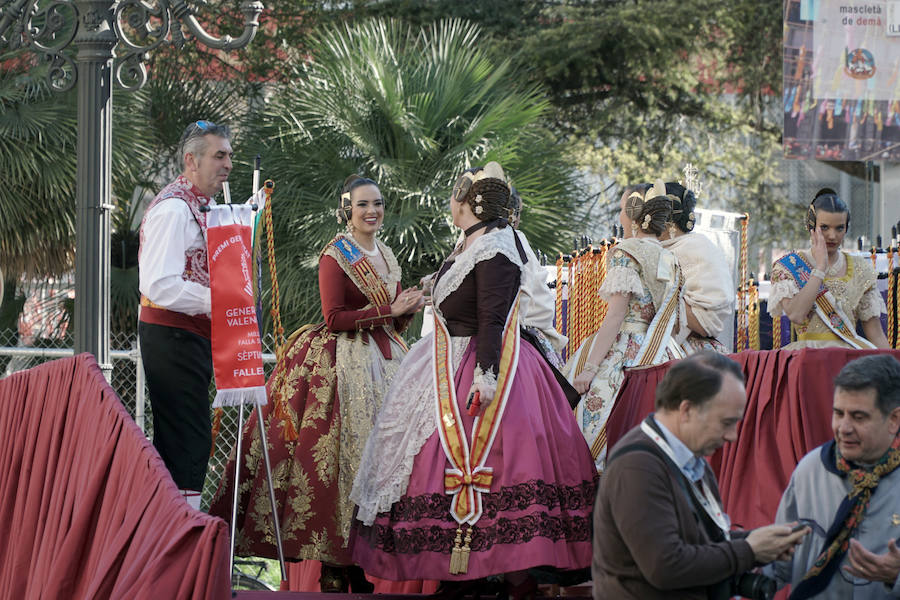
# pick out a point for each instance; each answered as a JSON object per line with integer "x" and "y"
{"x": 174, "y": 323}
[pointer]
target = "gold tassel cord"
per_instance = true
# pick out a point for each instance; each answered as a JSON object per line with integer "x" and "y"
{"x": 596, "y": 255}
{"x": 560, "y": 326}
{"x": 569, "y": 295}
{"x": 604, "y": 253}
{"x": 891, "y": 300}
{"x": 891, "y": 311}
{"x": 578, "y": 293}
{"x": 464, "y": 552}
{"x": 289, "y": 431}
{"x": 754, "y": 316}
{"x": 574, "y": 282}
{"x": 459, "y": 556}
{"x": 776, "y": 332}
{"x": 743, "y": 296}
{"x": 454, "y": 553}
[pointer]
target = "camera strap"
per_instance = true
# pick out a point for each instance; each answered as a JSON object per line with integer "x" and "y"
{"x": 707, "y": 500}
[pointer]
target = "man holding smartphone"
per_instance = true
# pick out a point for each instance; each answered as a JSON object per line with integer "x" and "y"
{"x": 848, "y": 491}
{"x": 659, "y": 528}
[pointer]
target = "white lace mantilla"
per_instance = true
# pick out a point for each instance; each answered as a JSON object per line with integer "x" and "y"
{"x": 405, "y": 422}
{"x": 485, "y": 247}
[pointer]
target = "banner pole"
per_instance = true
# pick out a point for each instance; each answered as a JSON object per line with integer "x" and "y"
{"x": 234, "y": 499}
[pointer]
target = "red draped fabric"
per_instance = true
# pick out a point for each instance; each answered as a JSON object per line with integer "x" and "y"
{"x": 87, "y": 508}
{"x": 304, "y": 576}
{"x": 788, "y": 414}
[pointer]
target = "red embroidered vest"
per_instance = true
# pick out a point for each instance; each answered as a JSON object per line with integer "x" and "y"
{"x": 196, "y": 265}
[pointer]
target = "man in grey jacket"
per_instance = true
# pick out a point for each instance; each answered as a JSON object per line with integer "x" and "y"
{"x": 848, "y": 492}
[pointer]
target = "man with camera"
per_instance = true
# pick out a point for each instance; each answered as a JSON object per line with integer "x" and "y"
{"x": 659, "y": 528}
{"x": 848, "y": 492}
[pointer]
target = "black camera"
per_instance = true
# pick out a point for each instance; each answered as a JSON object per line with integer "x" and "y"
{"x": 754, "y": 586}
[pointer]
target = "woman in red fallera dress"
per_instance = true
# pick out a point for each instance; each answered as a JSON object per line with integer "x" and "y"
{"x": 323, "y": 398}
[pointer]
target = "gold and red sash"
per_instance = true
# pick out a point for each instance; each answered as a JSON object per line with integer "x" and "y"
{"x": 358, "y": 268}
{"x": 468, "y": 476}
{"x": 826, "y": 305}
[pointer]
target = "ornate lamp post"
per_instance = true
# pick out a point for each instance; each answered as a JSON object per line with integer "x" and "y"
{"x": 96, "y": 29}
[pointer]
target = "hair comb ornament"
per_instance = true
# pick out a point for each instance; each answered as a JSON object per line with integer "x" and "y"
{"x": 811, "y": 217}
{"x": 633, "y": 205}
{"x": 492, "y": 170}
{"x": 343, "y": 212}
{"x": 462, "y": 186}
{"x": 658, "y": 189}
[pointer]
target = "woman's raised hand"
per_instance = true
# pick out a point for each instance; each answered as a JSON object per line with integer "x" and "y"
{"x": 818, "y": 249}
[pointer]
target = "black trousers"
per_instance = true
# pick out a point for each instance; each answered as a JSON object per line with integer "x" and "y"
{"x": 178, "y": 366}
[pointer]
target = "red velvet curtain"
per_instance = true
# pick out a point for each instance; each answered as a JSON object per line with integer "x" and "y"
{"x": 87, "y": 508}
{"x": 788, "y": 414}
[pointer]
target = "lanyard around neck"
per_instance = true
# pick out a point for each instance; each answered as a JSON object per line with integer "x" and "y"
{"x": 708, "y": 499}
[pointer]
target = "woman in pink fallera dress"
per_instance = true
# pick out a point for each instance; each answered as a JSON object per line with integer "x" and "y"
{"x": 452, "y": 491}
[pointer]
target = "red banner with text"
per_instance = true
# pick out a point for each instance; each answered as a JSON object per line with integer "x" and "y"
{"x": 236, "y": 347}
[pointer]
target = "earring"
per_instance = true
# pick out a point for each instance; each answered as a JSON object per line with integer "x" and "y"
{"x": 634, "y": 229}
{"x": 350, "y": 228}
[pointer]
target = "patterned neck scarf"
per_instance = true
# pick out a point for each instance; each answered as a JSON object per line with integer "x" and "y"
{"x": 849, "y": 514}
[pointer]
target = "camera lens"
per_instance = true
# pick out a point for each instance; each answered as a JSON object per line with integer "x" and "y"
{"x": 755, "y": 586}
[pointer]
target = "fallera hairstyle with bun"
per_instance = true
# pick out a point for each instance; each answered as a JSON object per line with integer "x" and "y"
{"x": 826, "y": 199}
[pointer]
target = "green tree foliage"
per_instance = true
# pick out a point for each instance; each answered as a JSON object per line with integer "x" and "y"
{"x": 410, "y": 108}
{"x": 641, "y": 87}
{"x": 38, "y": 130}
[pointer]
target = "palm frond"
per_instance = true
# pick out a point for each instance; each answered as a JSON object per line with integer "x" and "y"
{"x": 411, "y": 109}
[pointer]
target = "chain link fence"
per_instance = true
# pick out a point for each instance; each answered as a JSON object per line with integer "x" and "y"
{"x": 129, "y": 383}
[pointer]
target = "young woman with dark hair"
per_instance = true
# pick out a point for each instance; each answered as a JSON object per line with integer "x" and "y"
{"x": 825, "y": 291}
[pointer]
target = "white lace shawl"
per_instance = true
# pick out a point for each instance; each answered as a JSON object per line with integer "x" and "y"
{"x": 485, "y": 247}
{"x": 537, "y": 305}
{"x": 404, "y": 423}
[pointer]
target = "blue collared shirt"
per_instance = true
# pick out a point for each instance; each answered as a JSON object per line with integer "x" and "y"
{"x": 691, "y": 465}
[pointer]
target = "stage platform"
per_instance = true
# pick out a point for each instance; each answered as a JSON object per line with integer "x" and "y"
{"x": 571, "y": 593}
{"x": 255, "y": 595}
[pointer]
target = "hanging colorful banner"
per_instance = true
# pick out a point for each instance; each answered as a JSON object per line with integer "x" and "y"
{"x": 842, "y": 79}
{"x": 236, "y": 347}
